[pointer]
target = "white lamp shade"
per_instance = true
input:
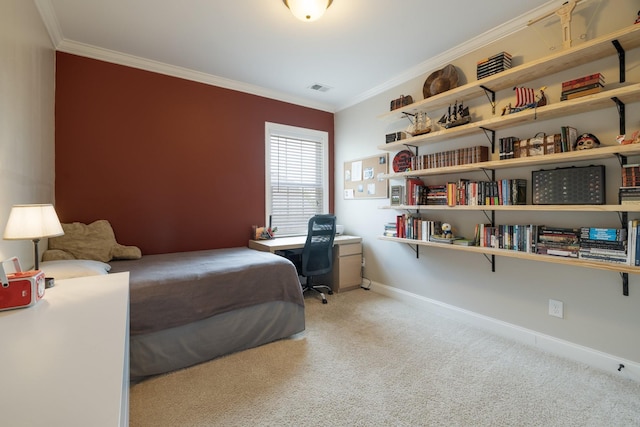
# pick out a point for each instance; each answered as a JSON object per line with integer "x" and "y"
{"x": 32, "y": 222}
{"x": 308, "y": 10}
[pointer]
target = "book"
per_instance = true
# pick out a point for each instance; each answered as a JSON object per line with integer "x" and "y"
{"x": 412, "y": 186}
{"x": 581, "y": 93}
{"x": 439, "y": 239}
{"x": 583, "y": 80}
{"x": 568, "y": 136}
{"x": 464, "y": 242}
{"x": 581, "y": 88}
{"x": 606, "y": 234}
{"x": 397, "y": 195}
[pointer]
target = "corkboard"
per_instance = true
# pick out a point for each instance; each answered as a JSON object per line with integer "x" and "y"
{"x": 361, "y": 179}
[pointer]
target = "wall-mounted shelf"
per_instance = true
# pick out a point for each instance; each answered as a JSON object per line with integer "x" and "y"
{"x": 519, "y": 208}
{"x": 620, "y": 268}
{"x": 572, "y": 156}
{"x": 617, "y": 42}
{"x": 625, "y": 94}
{"x": 601, "y": 47}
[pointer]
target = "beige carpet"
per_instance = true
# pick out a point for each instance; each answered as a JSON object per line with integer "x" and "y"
{"x": 367, "y": 360}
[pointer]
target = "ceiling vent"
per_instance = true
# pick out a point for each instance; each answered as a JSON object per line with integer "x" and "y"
{"x": 319, "y": 87}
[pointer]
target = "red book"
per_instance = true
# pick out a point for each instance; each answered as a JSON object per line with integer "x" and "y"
{"x": 581, "y": 80}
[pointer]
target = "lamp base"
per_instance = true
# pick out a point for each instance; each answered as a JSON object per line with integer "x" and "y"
{"x": 49, "y": 282}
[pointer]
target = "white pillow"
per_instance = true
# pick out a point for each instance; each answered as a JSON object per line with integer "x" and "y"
{"x": 67, "y": 269}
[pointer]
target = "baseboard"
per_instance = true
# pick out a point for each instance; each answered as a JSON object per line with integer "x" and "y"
{"x": 556, "y": 346}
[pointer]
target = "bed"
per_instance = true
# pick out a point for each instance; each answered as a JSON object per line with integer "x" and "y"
{"x": 189, "y": 307}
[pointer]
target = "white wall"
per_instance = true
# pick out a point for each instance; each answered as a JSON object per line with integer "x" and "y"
{"x": 26, "y": 116}
{"x": 597, "y": 315}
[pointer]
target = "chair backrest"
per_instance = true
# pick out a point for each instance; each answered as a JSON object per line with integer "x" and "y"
{"x": 317, "y": 254}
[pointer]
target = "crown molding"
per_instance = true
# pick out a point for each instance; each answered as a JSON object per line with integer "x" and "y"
{"x": 61, "y": 44}
{"x": 50, "y": 21}
{"x": 450, "y": 55}
{"x": 119, "y": 58}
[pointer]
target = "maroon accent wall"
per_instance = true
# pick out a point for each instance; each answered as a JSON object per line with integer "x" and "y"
{"x": 173, "y": 164}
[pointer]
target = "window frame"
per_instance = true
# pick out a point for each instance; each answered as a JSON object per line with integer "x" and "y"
{"x": 294, "y": 132}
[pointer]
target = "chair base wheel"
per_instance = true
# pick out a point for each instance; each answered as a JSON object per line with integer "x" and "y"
{"x": 330, "y": 292}
{"x": 324, "y": 301}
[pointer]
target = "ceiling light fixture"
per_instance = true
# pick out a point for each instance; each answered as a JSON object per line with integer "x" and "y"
{"x": 307, "y": 10}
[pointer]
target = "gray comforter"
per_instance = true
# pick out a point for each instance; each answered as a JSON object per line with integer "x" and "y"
{"x": 170, "y": 290}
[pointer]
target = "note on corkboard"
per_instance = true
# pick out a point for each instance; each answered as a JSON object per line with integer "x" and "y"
{"x": 361, "y": 178}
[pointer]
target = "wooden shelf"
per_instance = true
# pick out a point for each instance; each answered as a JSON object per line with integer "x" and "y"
{"x": 621, "y": 268}
{"x": 573, "y": 156}
{"x": 520, "y": 208}
{"x": 626, "y": 94}
{"x": 588, "y": 51}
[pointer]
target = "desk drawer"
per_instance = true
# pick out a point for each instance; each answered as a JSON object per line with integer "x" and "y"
{"x": 350, "y": 249}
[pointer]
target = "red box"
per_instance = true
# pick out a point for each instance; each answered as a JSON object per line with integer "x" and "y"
{"x": 21, "y": 289}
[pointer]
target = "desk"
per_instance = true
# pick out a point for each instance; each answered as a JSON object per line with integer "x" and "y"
{"x": 65, "y": 361}
{"x": 347, "y": 258}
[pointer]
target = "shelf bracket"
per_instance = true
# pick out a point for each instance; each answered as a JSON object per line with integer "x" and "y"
{"x": 493, "y": 174}
{"x": 492, "y": 98}
{"x": 492, "y": 261}
{"x": 621, "y": 59}
{"x": 621, "y": 115}
{"x": 625, "y": 284}
{"x": 622, "y": 159}
{"x": 492, "y": 138}
{"x": 416, "y": 249}
{"x": 412, "y": 148}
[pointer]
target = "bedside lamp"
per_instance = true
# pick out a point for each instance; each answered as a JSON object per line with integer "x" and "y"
{"x": 32, "y": 222}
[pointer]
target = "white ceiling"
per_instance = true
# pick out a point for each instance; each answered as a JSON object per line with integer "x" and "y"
{"x": 358, "y": 48}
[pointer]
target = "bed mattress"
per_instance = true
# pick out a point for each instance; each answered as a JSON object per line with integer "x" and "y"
{"x": 190, "y": 307}
{"x": 170, "y": 290}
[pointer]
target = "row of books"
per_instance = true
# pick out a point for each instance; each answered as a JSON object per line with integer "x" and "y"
{"x": 631, "y": 175}
{"x": 463, "y": 192}
{"x": 613, "y": 245}
{"x": 492, "y": 65}
{"x": 589, "y": 243}
{"x": 629, "y": 193}
{"x": 520, "y": 238}
{"x": 459, "y": 157}
{"x": 413, "y": 227}
{"x": 506, "y": 191}
{"x": 582, "y": 86}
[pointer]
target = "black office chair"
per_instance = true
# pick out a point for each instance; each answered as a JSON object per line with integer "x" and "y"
{"x": 317, "y": 254}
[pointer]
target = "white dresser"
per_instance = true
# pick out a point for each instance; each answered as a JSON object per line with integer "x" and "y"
{"x": 65, "y": 361}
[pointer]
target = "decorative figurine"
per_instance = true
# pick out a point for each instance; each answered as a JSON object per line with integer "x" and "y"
{"x": 447, "y": 232}
{"x": 635, "y": 138}
{"x": 586, "y": 141}
{"x": 525, "y": 99}
{"x": 420, "y": 124}
{"x": 564, "y": 12}
{"x": 455, "y": 116}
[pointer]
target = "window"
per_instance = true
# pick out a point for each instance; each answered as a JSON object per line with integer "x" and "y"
{"x": 297, "y": 182}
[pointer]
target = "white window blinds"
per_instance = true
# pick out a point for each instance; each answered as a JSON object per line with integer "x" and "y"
{"x": 296, "y": 177}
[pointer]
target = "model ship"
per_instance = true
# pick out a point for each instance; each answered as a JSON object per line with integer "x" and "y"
{"x": 456, "y": 115}
{"x": 525, "y": 99}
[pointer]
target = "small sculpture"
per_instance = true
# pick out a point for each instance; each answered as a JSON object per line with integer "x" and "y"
{"x": 525, "y": 99}
{"x": 586, "y": 141}
{"x": 455, "y": 116}
{"x": 635, "y": 138}
{"x": 447, "y": 231}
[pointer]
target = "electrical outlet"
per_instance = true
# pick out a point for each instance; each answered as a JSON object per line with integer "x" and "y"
{"x": 556, "y": 308}
{"x": 363, "y": 263}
